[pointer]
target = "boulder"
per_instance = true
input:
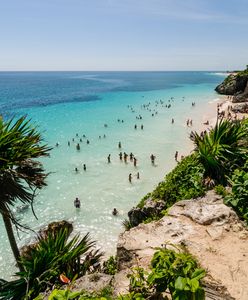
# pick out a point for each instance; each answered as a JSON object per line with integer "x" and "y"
{"x": 233, "y": 84}
{"x": 151, "y": 208}
{"x": 240, "y": 108}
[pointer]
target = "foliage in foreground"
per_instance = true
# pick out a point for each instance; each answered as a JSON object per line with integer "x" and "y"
{"x": 222, "y": 150}
{"x": 52, "y": 256}
{"x": 20, "y": 173}
{"x": 185, "y": 181}
{"x": 173, "y": 272}
{"x": 238, "y": 198}
{"x": 110, "y": 266}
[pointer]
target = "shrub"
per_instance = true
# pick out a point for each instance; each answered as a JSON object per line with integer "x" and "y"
{"x": 185, "y": 181}
{"x": 110, "y": 266}
{"x": 238, "y": 198}
{"x": 52, "y": 256}
{"x": 174, "y": 271}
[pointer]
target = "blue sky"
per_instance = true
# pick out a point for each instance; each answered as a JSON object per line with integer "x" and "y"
{"x": 123, "y": 34}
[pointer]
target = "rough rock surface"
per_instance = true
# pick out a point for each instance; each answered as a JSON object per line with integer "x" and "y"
{"x": 92, "y": 283}
{"x": 210, "y": 230}
{"x": 240, "y": 108}
{"x": 233, "y": 84}
{"x": 137, "y": 215}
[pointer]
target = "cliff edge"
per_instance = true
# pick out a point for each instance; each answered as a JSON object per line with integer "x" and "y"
{"x": 210, "y": 231}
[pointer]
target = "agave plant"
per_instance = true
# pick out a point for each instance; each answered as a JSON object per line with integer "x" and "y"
{"x": 52, "y": 255}
{"x": 223, "y": 149}
{"x": 20, "y": 174}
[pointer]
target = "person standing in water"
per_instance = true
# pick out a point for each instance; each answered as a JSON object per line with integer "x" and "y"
{"x": 119, "y": 145}
{"x": 109, "y": 158}
{"x": 130, "y": 178}
{"x": 152, "y": 159}
{"x": 120, "y": 155}
{"x": 135, "y": 161}
{"x": 84, "y": 167}
{"x": 77, "y": 203}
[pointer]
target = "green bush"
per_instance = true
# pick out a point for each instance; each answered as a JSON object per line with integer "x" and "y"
{"x": 238, "y": 198}
{"x": 52, "y": 256}
{"x": 185, "y": 181}
{"x": 110, "y": 266}
{"x": 220, "y": 190}
{"x": 176, "y": 272}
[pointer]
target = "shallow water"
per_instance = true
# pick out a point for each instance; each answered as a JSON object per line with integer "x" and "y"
{"x": 64, "y": 104}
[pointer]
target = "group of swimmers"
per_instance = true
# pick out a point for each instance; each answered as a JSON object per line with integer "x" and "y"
{"x": 124, "y": 156}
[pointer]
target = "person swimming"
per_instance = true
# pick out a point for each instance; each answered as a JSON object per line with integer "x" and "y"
{"x": 77, "y": 203}
{"x": 114, "y": 212}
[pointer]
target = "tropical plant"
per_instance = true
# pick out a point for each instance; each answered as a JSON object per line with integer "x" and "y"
{"x": 52, "y": 256}
{"x": 176, "y": 272}
{"x": 20, "y": 174}
{"x": 110, "y": 266}
{"x": 185, "y": 181}
{"x": 238, "y": 198}
{"x": 223, "y": 149}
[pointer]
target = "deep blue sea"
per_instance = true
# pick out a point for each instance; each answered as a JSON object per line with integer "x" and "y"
{"x": 70, "y": 105}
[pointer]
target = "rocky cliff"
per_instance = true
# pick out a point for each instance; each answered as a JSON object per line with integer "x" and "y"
{"x": 236, "y": 85}
{"x": 209, "y": 230}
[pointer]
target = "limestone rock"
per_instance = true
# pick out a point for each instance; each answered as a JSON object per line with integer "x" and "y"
{"x": 241, "y": 107}
{"x": 232, "y": 85}
{"x": 92, "y": 283}
{"x": 138, "y": 215}
{"x": 209, "y": 230}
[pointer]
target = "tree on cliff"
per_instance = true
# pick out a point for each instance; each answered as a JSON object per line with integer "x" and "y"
{"x": 20, "y": 174}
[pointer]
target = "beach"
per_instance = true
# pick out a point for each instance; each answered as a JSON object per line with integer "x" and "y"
{"x": 104, "y": 186}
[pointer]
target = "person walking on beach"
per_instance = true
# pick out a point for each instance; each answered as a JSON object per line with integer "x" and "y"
{"x": 138, "y": 175}
{"x": 135, "y": 162}
{"x": 77, "y": 203}
{"x": 130, "y": 178}
{"x": 109, "y": 158}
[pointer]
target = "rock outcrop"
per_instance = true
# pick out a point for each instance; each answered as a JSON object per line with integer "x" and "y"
{"x": 209, "y": 230}
{"x": 233, "y": 84}
{"x": 151, "y": 208}
{"x": 236, "y": 84}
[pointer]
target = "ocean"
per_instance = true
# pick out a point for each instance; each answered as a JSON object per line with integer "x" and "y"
{"x": 103, "y": 108}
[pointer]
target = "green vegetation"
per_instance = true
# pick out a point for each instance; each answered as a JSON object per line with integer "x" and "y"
{"x": 110, "y": 266}
{"x": 20, "y": 174}
{"x": 185, "y": 181}
{"x": 171, "y": 271}
{"x": 222, "y": 150}
{"x": 53, "y": 255}
{"x": 238, "y": 198}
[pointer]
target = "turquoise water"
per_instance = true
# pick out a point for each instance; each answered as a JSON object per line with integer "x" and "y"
{"x": 65, "y": 104}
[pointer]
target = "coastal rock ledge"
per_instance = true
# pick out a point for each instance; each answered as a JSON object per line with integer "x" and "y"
{"x": 209, "y": 230}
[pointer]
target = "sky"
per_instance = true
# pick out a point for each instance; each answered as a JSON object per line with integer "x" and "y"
{"x": 123, "y": 35}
